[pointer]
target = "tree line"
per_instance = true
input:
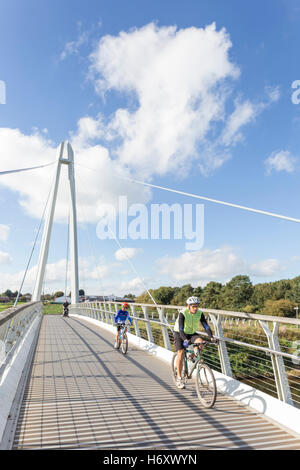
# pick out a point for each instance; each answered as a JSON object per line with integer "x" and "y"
{"x": 277, "y": 298}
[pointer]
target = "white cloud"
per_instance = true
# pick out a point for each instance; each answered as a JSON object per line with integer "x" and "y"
{"x": 218, "y": 265}
{"x": 126, "y": 253}
{"x": 4, "y": 232}
{"x": 88, "y": 129}
{"x": 179, "y": 79}
{"x": 55, "y": 275}
{"x": 179, "y": 82}
{"x": 281, "y": 161}
{"x": 72, "y": 47}
{"x": 5, "y": 258}
{"x": 273, "y": 93}
{"x": 268, "y": 267}
{"x": 243, "y": 114}
{"x": 135, "y": 285}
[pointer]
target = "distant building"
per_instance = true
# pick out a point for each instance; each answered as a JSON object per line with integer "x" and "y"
{"x": 106, "y": 298}
{"x": 4, "y": 299}
{"x": 62, "y": 299}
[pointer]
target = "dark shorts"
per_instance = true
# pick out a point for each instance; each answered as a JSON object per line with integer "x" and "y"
{"x": 119, "y": 326}
{"x": 178, "y": 341}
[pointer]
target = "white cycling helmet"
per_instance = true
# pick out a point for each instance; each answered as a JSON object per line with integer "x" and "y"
{"x": 192, "y": 300}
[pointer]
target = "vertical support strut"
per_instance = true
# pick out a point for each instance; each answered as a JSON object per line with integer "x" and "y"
{"x": 43, "y": 256}
{"x": 223, "y": 353}
{"x": 73, "y": 229}
{"x": 282, "y": 383}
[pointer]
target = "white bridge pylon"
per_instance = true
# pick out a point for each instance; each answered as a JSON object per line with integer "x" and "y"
{"x": 66, "y": 157}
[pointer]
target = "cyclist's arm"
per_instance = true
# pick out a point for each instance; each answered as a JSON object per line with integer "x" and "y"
{"x": 181, "y": 326}
{"x": 128, "y": 317}
{"x": 206, "y": 326}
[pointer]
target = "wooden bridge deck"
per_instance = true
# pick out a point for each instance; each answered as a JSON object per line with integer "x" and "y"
{"x": 83, "y": 394}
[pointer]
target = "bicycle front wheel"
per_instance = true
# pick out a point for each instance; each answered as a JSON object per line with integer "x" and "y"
{"x": 206, "y": 385}
{"x": 124, "y": 345}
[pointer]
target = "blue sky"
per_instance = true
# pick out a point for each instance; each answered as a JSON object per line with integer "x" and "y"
{"x": 53, "y": 55}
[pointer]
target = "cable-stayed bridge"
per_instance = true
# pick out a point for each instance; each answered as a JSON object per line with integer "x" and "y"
{"x": 64, "y": 386}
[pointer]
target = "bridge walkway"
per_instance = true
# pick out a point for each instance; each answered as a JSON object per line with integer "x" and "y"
{"x": 83, "y": 394}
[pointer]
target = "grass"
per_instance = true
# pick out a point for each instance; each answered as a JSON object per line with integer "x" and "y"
{"x": 9, "y": 305}
{"x": 49, "y": 309}
{"x": 53, "y": 309}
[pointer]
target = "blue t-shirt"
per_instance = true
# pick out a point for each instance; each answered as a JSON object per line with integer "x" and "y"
{"x": 122, "y": 316}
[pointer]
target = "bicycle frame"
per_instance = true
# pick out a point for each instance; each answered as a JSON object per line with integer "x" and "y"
{"x": 198, "y": 358}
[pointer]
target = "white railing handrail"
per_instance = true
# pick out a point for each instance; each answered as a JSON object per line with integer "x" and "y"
{"x": 14, "y": 323}
{"x": 248, "y": 316}
{"x": 229, "y": 340}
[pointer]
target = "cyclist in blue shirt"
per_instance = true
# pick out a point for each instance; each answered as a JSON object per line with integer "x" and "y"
{"x": 120, "y": 318}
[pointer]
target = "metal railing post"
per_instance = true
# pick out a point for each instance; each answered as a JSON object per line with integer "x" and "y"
{"x": 107, "y": 313}
{"x": 102, "y": 311}
{"x": 164, "y": 328}
{"x": 223, "y": 353}
{"x": 135, "y": 321}
{"x": 282, "y": 384}
{"x": 148, "y": 326}
{"x": 111, "y": 314}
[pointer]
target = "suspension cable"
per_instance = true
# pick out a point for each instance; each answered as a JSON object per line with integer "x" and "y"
{"x": 196, "y": 196}
{"x": 26, "y": 169}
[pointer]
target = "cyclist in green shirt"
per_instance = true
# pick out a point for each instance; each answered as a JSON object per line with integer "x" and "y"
{"x": 185, "y": 332}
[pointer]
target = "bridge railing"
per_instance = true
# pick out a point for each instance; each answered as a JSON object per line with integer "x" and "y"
{"x": 259, "y": 350}
{"x": 14, "y": 323}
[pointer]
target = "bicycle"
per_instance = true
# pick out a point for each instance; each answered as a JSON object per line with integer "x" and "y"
{"x": 205, "y": 380}
{"x": 122, "y": 339}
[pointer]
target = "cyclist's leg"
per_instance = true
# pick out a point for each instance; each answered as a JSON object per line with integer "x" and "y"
{"x": 178, "y": 343}
{"x": 117, "y": 335}
{"x": 179, "y": 362}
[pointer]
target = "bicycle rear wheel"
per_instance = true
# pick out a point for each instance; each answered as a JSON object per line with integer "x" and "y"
{"x": 174, "y": 370}
{"x": 206, "y": 385}
{"x": 124, "y": 345}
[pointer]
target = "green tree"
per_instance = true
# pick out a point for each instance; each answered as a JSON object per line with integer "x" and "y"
{"x": 81, "y": 292}
{"x": 198, "y": 291}
{"x": 237, "y": 293}
{"x": 129, "y": 296}
{"x": 182, "y": 295}
{"x": 279, "y": 308}
{"x": 249, "y": 309}
{"x": 210, "y": 297}
{"x": 163, "y": 295}
{"x": 59, "y": 294}
{"x": 281, "y": 289}
{"x": 294, "y": 293}
{"x": 144, "y": 298}
{"x": 8, "y": 293}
